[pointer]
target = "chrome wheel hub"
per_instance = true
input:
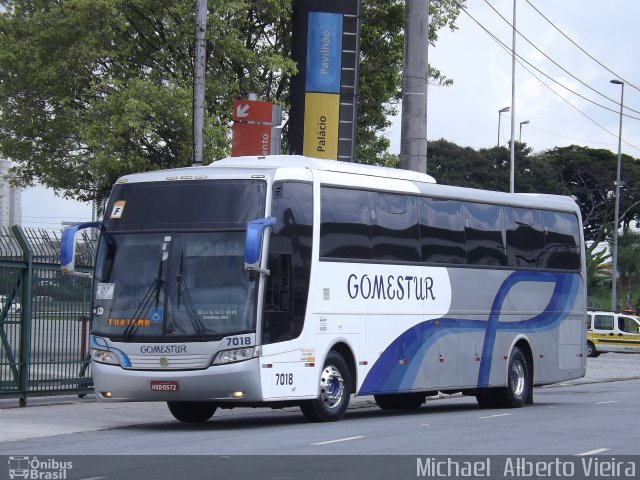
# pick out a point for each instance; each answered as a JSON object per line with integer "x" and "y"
{"x": 517, "y": 378}
{"x": 331, "y": 387}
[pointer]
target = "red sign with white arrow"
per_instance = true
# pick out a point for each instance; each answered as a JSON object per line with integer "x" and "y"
{"x": 252, "y": 111}
{"x": 251, "y": 139}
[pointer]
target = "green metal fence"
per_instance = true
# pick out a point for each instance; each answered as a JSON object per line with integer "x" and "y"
{"x": 44, "y": 316}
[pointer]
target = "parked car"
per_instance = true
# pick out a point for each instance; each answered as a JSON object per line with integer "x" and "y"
{"x": 13, "y": 309}
{"x": 612, "y": 332}
{"x": 42, "y": 298}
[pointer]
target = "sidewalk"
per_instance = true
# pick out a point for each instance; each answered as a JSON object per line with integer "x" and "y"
{"x": 51, "y": 416}
{"x": 608, "y": 367}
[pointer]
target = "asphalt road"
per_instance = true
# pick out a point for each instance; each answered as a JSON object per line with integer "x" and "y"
{"x": 592, "y": 417}
{"x": 567, "y": 420}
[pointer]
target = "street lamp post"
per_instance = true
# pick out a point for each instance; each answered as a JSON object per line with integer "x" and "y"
{"x": 520, "y": 136}
{"x": 512, "y": 147}
{"x": 500, "y": 112}
{"x": 614, "y": 246}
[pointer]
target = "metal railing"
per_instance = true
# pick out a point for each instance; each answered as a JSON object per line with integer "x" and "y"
{"x": 44, "y": 316}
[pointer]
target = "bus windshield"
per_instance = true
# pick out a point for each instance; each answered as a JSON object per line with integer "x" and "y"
{"x": 172, "y": 285}
{"x": 163, "y": 276}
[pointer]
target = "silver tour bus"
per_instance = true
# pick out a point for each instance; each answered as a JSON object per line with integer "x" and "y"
{"x": 281, "y": 281}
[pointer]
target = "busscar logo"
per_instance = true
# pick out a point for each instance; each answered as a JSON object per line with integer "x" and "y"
{"x": 38, "y": 469}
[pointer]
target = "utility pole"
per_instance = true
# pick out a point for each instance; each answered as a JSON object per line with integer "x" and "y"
{"x": 614, "y": 246}
{"x": 512, "y": 150}
{"x": 199, "y": 62}
{"x": 413, "y": 136}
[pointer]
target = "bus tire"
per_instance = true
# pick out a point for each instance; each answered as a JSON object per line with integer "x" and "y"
{"x": 591, "y": 350}
{"x": 335, "y": 391}
{"x": 400, "y": 401}
{"x": 515, "y": 394}
{"x": 486, "y": 398}
{"x": 192, "y": 412}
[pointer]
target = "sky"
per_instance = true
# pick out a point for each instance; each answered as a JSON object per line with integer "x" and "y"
{"x": 42, "y": 209}
{"x": 466, "y": 113}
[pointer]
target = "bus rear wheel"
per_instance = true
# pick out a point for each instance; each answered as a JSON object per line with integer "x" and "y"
{"x": 192, "y": 412}
{"x": 515, "y": 394}
{"x": 335, "y": 391}
{"x": 400, "y": 401}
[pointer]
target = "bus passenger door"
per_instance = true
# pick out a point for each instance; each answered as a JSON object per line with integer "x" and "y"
{"x": 286, "y": 370}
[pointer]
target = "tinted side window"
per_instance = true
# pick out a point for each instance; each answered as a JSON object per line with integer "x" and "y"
{"x": 395, "y": 227}
{"x": 483, "y": 233}
{"x": 345, "y": 224}
{"x": 525, "y": 239}
{"x": 562, "y": 240}
{"x": 627, "y": 324}
{"x": 287, "y": 288}
{"x": 603, "y": 322}
{"x": 441, "y": 231}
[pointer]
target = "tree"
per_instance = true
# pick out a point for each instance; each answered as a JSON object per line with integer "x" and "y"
{"x": 598, "y": 276}
{"x": 94, "y": 89}
{"x": 381, "y": 57}
{"x": 451, "y": 164}
{"x": 589, "y": 175}
{"x": 628, "y": 264}
{"x": 488, "y": 168}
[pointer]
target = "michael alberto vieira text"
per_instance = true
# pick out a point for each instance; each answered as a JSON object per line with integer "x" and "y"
{"x": 592, "y": 467}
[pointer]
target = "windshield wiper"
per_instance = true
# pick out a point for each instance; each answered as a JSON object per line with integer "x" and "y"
{"x": 192, "y": 312}
{"x": 154, "y": 291}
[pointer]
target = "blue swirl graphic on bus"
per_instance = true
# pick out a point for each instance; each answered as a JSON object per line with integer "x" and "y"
{"x": 100, "y": 343}
{"x": 398, "y": 366}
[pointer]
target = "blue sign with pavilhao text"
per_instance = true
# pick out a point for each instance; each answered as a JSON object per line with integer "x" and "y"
{"x": 324, "y": 52}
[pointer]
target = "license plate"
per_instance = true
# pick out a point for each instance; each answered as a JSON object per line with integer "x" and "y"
{"x": 162, "y": 386}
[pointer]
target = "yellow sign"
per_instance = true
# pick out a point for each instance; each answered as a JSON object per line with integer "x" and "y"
{"x": 128, "y": 322}
{"x": 321, "y": 121}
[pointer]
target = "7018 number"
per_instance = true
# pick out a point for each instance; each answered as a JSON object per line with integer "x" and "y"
{"x": 284, "y": 378}
{"x": 239, "y": 341}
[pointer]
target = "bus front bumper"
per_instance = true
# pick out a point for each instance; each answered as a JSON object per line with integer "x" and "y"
{"x": 232, "y": 383}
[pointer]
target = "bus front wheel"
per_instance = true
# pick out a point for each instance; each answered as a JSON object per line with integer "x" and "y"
{"x": 335, "y": 391}
{"x": 192, "y": 412}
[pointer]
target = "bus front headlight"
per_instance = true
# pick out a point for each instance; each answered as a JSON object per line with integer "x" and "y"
{"x": 234, "y": 355}
{"x": 104, "y": 356}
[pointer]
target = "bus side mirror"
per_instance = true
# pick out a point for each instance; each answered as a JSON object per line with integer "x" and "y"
{"x": 68, "y": 245}
{"x": 253, "y": 243}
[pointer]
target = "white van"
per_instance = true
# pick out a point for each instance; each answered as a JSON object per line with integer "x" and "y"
{"x": 612, "y": 332}
{"x": 14, "y": 308}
